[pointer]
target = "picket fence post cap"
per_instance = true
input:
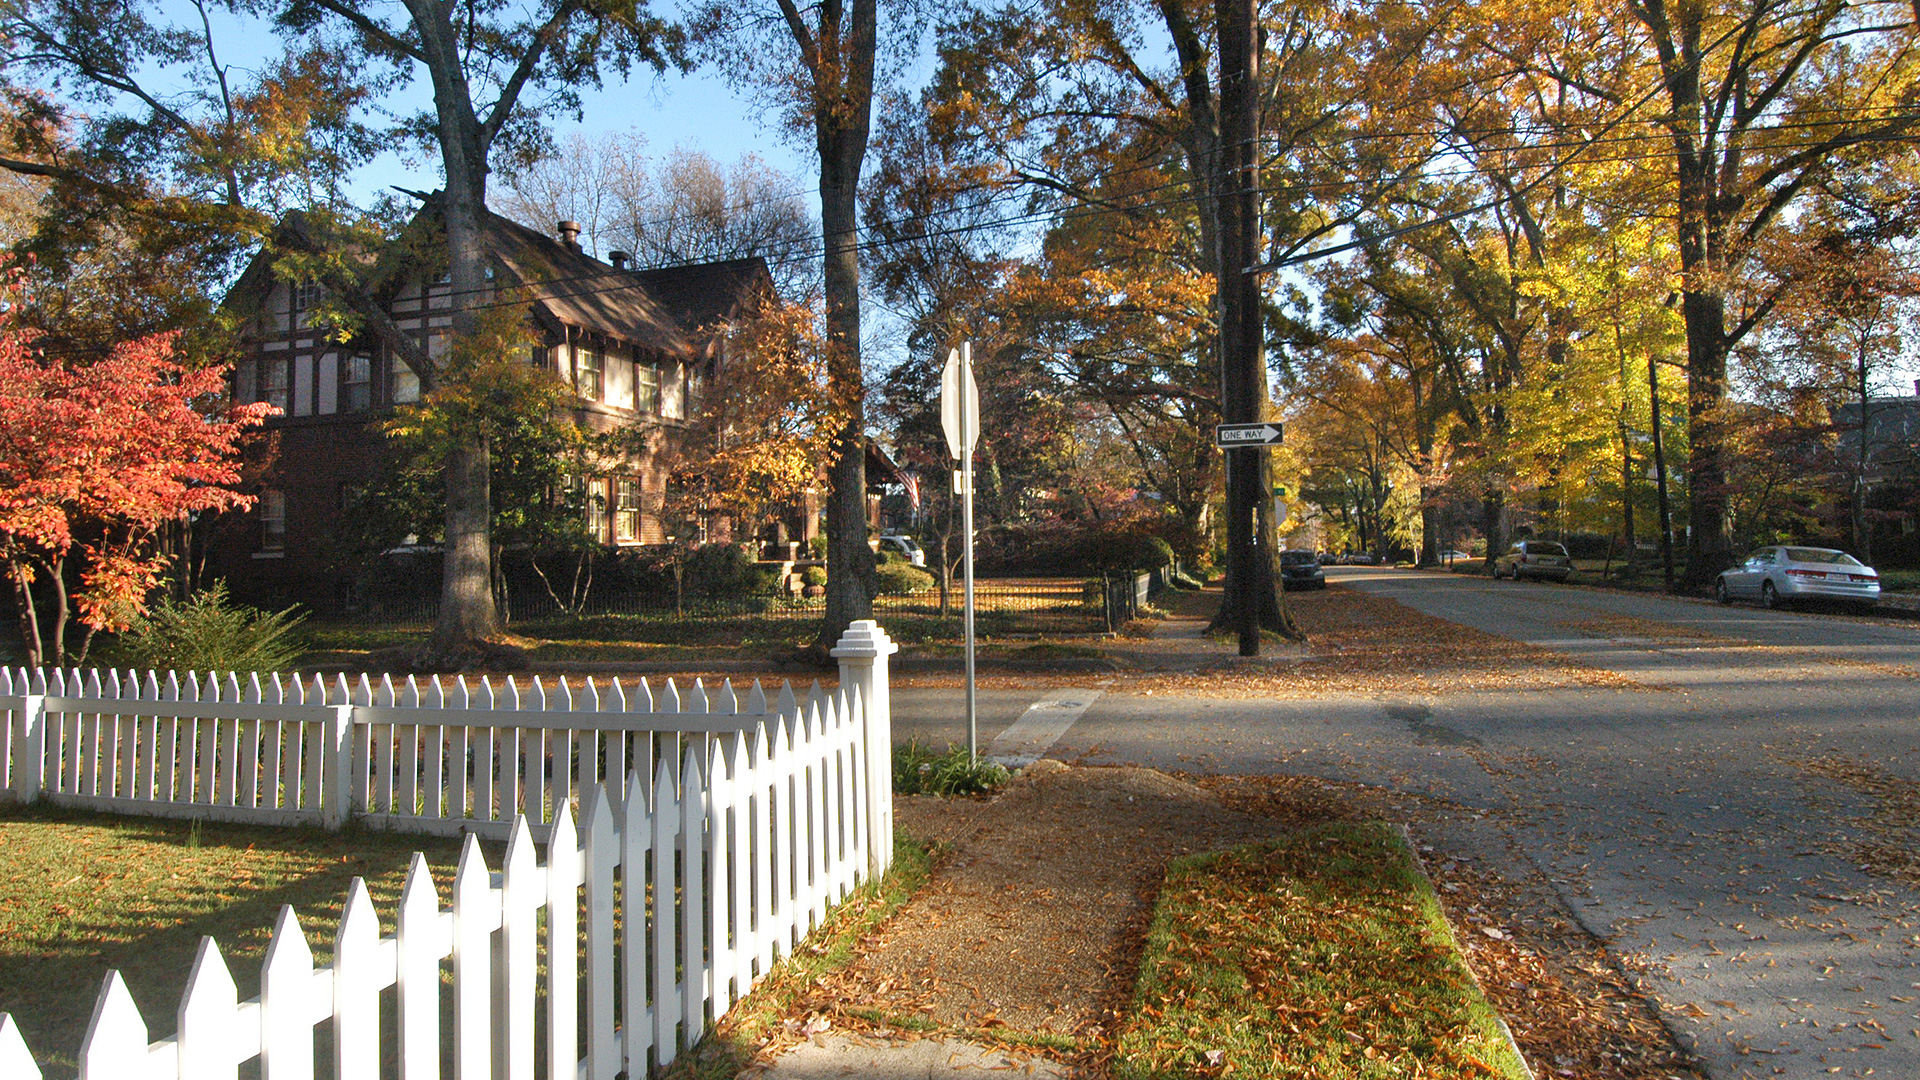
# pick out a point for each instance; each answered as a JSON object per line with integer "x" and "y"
{"x": 864, "y": 639}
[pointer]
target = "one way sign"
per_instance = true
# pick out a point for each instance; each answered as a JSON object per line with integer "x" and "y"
{"x": 1231, "y": 436}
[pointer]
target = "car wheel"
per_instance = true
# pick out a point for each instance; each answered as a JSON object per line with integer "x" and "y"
{"x": 1720, "y": 592}
{"x": 1769, "y": 597}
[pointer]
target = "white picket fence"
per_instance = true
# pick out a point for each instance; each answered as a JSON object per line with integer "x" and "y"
{"x": 701, "y": 865}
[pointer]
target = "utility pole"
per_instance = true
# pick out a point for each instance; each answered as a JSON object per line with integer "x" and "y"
{"x": 1243, "y": 375}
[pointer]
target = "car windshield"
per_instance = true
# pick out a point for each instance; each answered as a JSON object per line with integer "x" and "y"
{"x": 1295, "y": 558}
{"x": 1545, "y": 547}
{"x": 1822, "y": 555}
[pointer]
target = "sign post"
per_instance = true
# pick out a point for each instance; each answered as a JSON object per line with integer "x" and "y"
{"x": 960, "y": 419}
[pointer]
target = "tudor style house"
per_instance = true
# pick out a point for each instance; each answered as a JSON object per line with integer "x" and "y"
{"x": 638, "y": 347}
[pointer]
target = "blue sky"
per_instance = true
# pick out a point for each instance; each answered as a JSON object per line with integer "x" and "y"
{"x": 699, "y": 111}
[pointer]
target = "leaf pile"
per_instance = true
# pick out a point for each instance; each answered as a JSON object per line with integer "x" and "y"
{"x": 1322, "y": 955}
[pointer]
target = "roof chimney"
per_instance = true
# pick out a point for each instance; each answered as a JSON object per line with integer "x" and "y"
{"x": 619, "y": 260}
{"x": 570, "y": 235}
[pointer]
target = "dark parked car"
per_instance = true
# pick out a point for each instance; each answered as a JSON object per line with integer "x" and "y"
{"x": 1301, "y": 570}
{"x": 1534, "y": 559}
{"x": 1328, "y": 558}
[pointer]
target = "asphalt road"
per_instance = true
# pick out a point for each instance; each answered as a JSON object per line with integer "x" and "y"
{"x": 1690, "y": 818}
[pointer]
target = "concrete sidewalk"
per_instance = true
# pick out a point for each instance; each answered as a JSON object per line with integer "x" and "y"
{"x": 830, "y": 1057}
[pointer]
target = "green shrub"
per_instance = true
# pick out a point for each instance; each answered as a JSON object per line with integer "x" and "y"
{"x": 719, "y": 570}
{"x": 817, "y": 547}
{"x": 898, "y": 577}
{"x": 918, "y": 770}
{"x": 814, "y": 575}
{"x": 209, "y": 632}
{"x": 1120, "y": 551}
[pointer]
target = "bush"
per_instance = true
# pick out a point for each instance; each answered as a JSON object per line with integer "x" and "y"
{"x": 814, "y": 575}
{"x": 920, "y": 771}
{"x": 817, "y": 547}
{"x": 1124, "y": 551}
{"x": 898, "y": 577}
{"x": 720, "y": 570}
{"x": 209, "y": 632}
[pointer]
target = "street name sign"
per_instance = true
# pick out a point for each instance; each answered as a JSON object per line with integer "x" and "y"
{"x": 1233, "y": 436}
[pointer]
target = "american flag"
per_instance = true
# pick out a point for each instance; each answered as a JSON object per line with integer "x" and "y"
{"x": 912, "y": 483}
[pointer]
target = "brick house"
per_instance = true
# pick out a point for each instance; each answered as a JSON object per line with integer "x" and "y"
{"x": 639, "y": 347}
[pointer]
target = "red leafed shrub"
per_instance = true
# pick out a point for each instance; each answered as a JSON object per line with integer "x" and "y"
{"x": 97, "y": 455}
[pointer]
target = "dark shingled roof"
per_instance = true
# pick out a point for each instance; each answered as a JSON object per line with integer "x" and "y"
{"x": 665, "y": 309}
{"x": 700, "y": 294}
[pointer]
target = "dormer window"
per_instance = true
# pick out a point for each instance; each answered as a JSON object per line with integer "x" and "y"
{"x": 646, "y": 387}
{"x": 588, "y": 371}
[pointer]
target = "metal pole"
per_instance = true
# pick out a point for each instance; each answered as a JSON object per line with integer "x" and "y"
{"x": 966, "y": 521}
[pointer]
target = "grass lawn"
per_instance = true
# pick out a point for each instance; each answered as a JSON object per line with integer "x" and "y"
{"x": 1323, "y": 956}
{"x": 84, "y": 894}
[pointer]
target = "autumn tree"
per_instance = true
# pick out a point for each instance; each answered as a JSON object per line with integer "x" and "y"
{"x": 538, "y": 453}
{"x": 820, "y": 62}
{"x": 1759, "y": 102}
{"x": 758, "y": 445}
{"x": 485, "y": 63}
{"x": 161, "y": 157}
{"x": 97, "y": 455}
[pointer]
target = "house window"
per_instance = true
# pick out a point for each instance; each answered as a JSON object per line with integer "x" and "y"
{"x": 273, "y": 521}
{"x": 246, "y": 382}
{"x": 596, "y": 499}
{"x": 406, "y": 385}
{"x": 646, "y": 387}
{"x": 306, "y": 297}
{"x": 274, "y": 380}
{"x": 626, "y": 510}
{"x": 357, "y": 380}
{"x": 587, "y": 370}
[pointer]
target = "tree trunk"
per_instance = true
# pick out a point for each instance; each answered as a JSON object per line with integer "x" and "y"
{"x": 467, "y": 609}
{"x": 1251, "y": 602}
{"x": 843, "y": 116}
{"x": 29, "y": 615}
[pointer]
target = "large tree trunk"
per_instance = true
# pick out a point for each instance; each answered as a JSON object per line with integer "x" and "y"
{"x": 1252, "y": 602}
{"x": 843, "y": 116}
{"x": 467, "y": 609}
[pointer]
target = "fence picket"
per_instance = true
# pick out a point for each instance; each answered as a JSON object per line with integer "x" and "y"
{"x": 720, "y": 862}
{"x": 760, "y": 797}
{"x": 420, "y": 942}
{"x": 636, "y": 842}
{"x": 289, "y": 1007}
{"x": 16, "y": 1061}
{"x": 476, "y": 915}
{"x": 602, "y": 857}
{"x": 563, "y": 945}
{"x": 522, "y": 888}
{"x": 116, "y": 1043}
{"x": 213, "y": 1039}
{"x": 666, "y": 1002}
{"x": 740, "y": 888}
{"x": 695, "y": 963}
{"x": 357, "y": 980}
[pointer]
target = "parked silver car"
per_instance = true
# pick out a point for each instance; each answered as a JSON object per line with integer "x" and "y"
{"x": 1779, "y": 575}
{"x": 1535, "y": 559}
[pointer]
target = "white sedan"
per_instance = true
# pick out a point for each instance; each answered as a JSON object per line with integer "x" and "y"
{"x": 1779, "y": 575}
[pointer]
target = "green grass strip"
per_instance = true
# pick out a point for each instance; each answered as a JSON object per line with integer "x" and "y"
{"x": 1324, "y": 955}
